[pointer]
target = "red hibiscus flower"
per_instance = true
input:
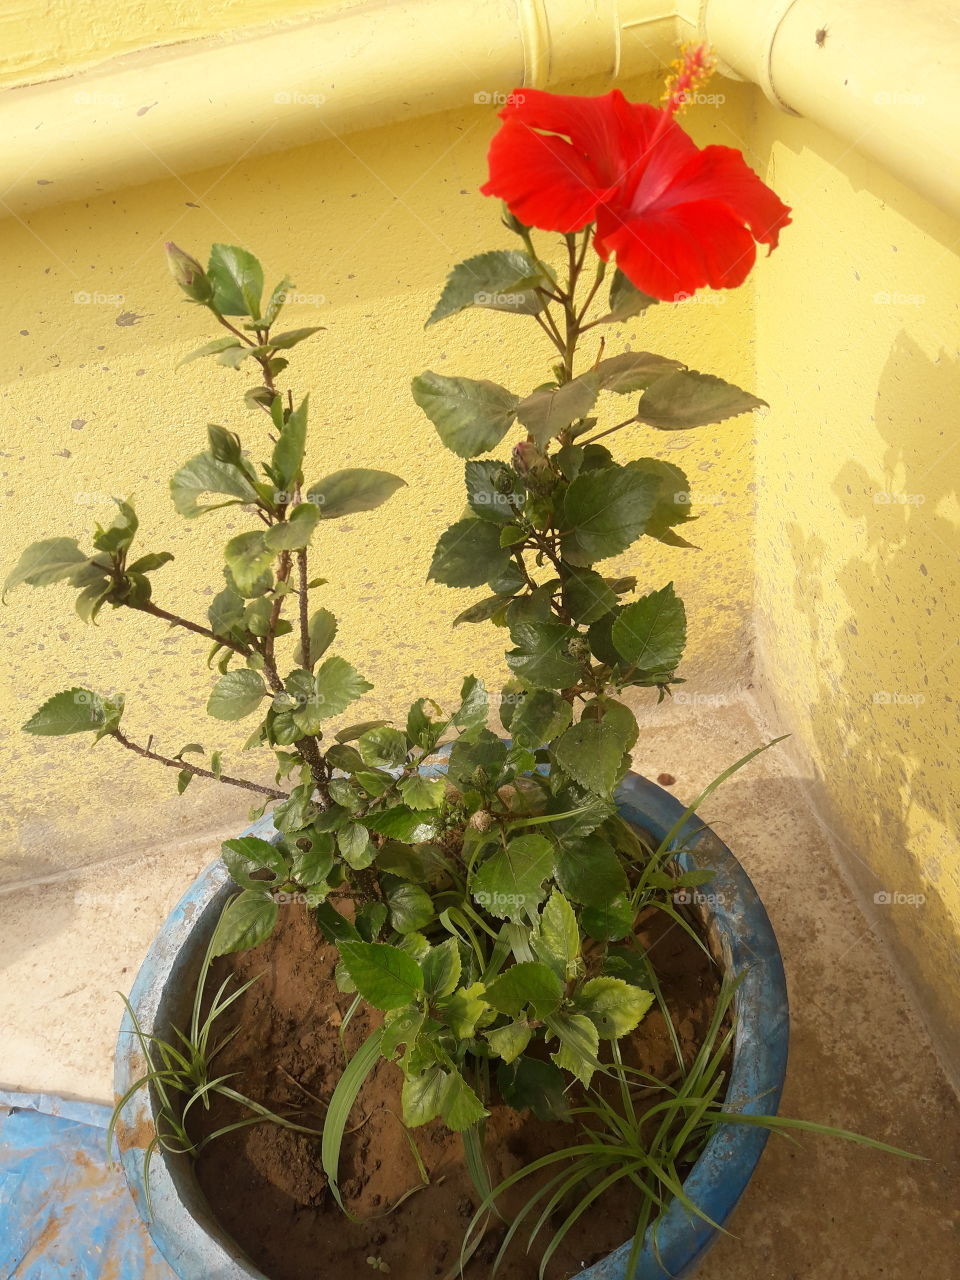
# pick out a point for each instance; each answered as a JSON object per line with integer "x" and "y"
{"x": 677, "y": 217}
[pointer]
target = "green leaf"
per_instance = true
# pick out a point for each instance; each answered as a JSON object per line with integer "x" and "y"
{"x": 579, "y": 1042}
{"x": 149, "y": 562}
{"x": 510, "y": 1041}
{"x": 344, "y": 493}
{"x": 410, "y": 908}
{"x": 589, "y": 871}
{"x": 322, "y": 628}
{"x": 237, "y": 279}
{"x": 441, "y": 969}
{"x": 312, "y": 866}
{"x": 591, "y": 752}
{"x": 236, "y": 695}
{"x": 338, "y": 684}
{"x": 45, "y": 562}
{"x": 673, "y": 500}
{"x": 485, "y": 499}
{"x": 464, "y": 1009}
{"x": 606, "y": 510}
{"x": 206, "y": 474}
{"x": 354, "y": 843}
{"x": 483, "y": 610}
{"x": 401, "y": 1026}
{"x": 687, "y": 398}
{"x": 248, "y": 559}
{"x": 385, "y": 976}
{"x": 559, "y": 932}
{"x": 611, "y": 922}
{"x": 294, "y": 532}
{"x": 292, "y": 337}
{"x": 119, "y": 535}
{"x": 633, "y": 371}
{"x": 542, "y": 657}
{"x": 73, "y": 711}
{"x": 613, "y": 1006}
{"x": 509, "y": 883}
{"x": 538, "y": 1086}
{"x": 548, "y": 412}
{"x": 476, "y": 760}
{"x": 460, "y": 1106}
{"x": 626, "y": 300}
{"x": 474, "y": 705}
{"x": 422, "y": 1096}
{"x": 383, "y": 748}
{"x": 501, "y": 280}
{"x": 651, "y": 632}
{"x": 247, "y": 920}
{"x": 540, "y": 717}
{"x": 210, "y": 349}
{"x": 422, "y": 793}
{"x": 587, "y": 596}
{"x": 184, "y": 778}
{"x": 528, "y": 984}
{"x": 253, "y": 854}
{"x": 289, "y": 449}
{"x": 468, "y": 554}
{"x": 471, "y": 417}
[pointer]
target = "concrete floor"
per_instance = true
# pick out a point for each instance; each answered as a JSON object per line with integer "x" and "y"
{"x": 860, "y": 1059}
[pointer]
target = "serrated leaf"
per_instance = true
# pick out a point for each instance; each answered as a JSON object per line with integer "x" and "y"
{"x": 292, "y": 533}
{"x": 72, "y": 711}
{"x": 355, "y": 489}
{"x": 355, "y": 845}
{"x": 398, "y": 821}
{"x": 510, "y": 1041}
{"x": 411, "y": 907}
{"x": 385, "y": 976}
{"x": 589, "y": 871}
{"x": 237, "y": 279}
{"x": 474, "y": 705}
{"x": 485, "y": 499}
{"x": 501, "y": 280}
{"x": 633, "y": 371}
{"x": 401, "y": 1026}
{"x": 587, "y": 596}
{"x": 441, "y": 969}
{"x": 539, "y": 717}
{"x": 206, "y": 474}
{"x": 613, "y": 1006}
{"x": 464, "y": 1008}
{"x": 236, "y": 695}
{"x": 548, "y": 412}
{"x": 471, "y": 417}
{"x": 422, "y": 1096}
{"x": 460, "y": 1106}
{"x": 289, "y": 449}
{"x": 541, "y": 657}
{"x": 247, "y": 920}
{"x": 673, "y": 500}
{"x": 579, "y": 1042}
{"x": 591, "y": 752}
{"x": 45, "y": 562}
{"x": 605, "y": 511}
{"x": 528, "y": 984}
{"x": 611, "y": 922}
{"x": 422, "y": 793}
{"x": 382, "y": 748}
{"x": 468, "y": 554}
{"x": 509, "y": 883}
{"x": 686, "y": 398}
{"x": 559, "y": 932}
{"x": 651, "y": 632}
{"x": 338, "y": 684}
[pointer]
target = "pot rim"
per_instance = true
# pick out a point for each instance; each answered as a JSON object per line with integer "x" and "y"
{"x": 197, "y": 1248}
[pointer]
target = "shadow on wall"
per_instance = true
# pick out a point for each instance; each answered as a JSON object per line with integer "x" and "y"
{"x": 887, "y": 702}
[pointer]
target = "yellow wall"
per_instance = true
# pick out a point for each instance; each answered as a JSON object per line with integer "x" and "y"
{"x": 858, "y": 529}
{"x": 46, "y": 39}
{"x": 92, "y": 405}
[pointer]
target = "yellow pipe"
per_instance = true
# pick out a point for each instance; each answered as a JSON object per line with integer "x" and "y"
{"x": 876, "y": 74}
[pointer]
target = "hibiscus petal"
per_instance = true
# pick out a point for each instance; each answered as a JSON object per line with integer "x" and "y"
{"x": 675, "y": 251}
{"x": 543, "y": 180}
{"x": 722, "y": 174}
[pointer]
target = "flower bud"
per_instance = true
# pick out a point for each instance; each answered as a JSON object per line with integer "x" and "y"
{"x": 481, "y": 820}
{"x": 528, "y": 462}
{"x": 512, "y": 222}
{"x": 189, "y": 274}
{"x": 503, "y": 480}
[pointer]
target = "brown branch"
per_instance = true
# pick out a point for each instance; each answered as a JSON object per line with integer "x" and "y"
{"x": 156, "y": 612}
{"x": 610, "y": 430}
{"x": 124, "y": 741}
{"x": 304, "y": 608}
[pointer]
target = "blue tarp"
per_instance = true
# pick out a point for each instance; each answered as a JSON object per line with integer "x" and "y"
{"x": 65, "y": 1211}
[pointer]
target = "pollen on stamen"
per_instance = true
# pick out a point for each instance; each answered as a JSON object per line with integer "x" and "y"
{"x": 695, "y": 65}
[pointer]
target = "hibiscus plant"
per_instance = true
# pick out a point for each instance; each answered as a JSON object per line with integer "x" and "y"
{"x": 481, "y": 890}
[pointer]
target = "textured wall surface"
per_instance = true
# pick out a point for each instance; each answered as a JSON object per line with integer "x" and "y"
{"x": 858, "y": 531}
{"x": 92, "y": 405}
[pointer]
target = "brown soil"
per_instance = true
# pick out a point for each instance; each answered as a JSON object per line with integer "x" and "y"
{"x": 266, "y": 1186}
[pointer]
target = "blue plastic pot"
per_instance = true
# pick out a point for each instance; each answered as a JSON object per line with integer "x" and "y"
{"x": 197, "y": 1248}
